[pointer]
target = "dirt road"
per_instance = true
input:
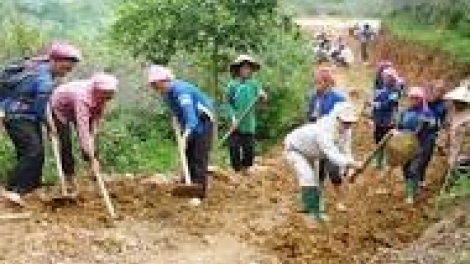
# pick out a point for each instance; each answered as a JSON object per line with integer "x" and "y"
{"x": 254, "y": 220}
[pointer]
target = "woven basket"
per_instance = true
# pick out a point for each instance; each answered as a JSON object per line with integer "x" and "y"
{"x": 400, "y": 149}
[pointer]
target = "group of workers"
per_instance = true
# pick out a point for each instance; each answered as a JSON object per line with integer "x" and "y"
{"x": 321, "y": 148}
{"x": 339, "y": 51}
{"x": 318, "y": 150}
{"x": 37, "y": 99}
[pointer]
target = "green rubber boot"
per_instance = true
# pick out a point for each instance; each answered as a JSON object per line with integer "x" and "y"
{"x": 312, "y": 202}
{"x": 380, "y": 160}
{"x": 305, "y": 199}
{"x": 411, "y": 187}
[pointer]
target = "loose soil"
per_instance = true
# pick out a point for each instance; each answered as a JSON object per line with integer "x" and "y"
{"x": 253, "y": 219}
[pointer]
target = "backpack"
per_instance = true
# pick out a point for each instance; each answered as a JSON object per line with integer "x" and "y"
{"x": 13, "y": 74}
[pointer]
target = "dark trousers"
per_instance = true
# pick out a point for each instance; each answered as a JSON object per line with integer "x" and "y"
{"x": 242, "y": 150}
{"x": 330, "y": 170}
{"x": 415, "y": 169}
{"x": 364, "y": 51}
{"x": 27, "y": 138}
{"x": 427, "y": 153}
{"x": 197, "y": 153}
{"x": 380, "y": 132}
{"x": 64, "y": 132}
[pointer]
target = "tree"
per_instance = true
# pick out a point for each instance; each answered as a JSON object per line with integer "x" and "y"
{"x": 157, "y": 29}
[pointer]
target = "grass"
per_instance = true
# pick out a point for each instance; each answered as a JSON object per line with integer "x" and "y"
{"x": 449, "y": 41}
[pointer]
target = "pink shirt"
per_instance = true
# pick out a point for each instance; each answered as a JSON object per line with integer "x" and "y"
{"x": 73, "y": 103}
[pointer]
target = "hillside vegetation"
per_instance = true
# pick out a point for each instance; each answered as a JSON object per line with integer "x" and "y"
{"x": 440, "y": 24}
{"x": 136, "y": 136}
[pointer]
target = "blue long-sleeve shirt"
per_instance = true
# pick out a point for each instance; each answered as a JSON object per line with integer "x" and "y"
{"x": 385, "y": 106}
{"x": 439, "y": 110}
{"x": 30, "y": 97}
{"x": 419, "y": 120}
{"x": 322, "y": 104}
{"x": 188, "y": 105}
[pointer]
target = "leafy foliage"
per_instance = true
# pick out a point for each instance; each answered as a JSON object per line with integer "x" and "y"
{"x": 446, "y": 15}
{"x": 135, "y": 135}
{"x": 156, "y": 29}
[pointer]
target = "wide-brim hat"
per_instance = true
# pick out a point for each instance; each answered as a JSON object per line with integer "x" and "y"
{"x": 347, "y": 112}
{"x": 245, "y": 59}
{"x": 460, "y": 94}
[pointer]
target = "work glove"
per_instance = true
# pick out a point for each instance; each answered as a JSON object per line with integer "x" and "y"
{"x": 395, "y": 132}
{"x": 353, "y": 170}
{"x": 234, "y": 124}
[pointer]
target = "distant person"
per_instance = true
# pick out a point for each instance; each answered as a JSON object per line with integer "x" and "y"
{"x": 365, "y": 36}
{"x": 193, "y": 113}
{"x": 323, "y": 47}
{"x": 342, "y": 55}
{"x": 80, "y": 104}
{"x": 243, "y": 92}
{"x": 25, "y": 115}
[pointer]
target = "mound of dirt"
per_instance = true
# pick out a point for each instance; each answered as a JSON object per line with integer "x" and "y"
{"x": 447, "y": 241}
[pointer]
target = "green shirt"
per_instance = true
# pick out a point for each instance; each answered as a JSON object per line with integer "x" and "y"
{"x": 240, "y": 95}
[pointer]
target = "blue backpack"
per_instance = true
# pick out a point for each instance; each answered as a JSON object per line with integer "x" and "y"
{"x": 13, "y": 74}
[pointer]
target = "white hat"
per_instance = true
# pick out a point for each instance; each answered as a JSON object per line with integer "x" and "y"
{"x": 245, "y": 58}
{"x": 346, "y": 112}
{"x": 461, "y": 94}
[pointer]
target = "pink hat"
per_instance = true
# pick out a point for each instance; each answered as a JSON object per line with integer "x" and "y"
{"x": 158, "y": 73}
{"x": 325, "y": 73}
{"x": 63, "y": 50}
{"x": 392, "y": 73}
{"x": 417, "y": 92}
{"x": 104, "y": 82}
{"x": 384, "y": 64}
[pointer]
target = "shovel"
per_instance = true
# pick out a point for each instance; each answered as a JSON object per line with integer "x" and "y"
{"x": 187, "y": 189}
{"x": 104, "y": 191}
{"x": 65, "y": 195}
{"x": 237, "y": 122}
{"x": 370, "y": 157}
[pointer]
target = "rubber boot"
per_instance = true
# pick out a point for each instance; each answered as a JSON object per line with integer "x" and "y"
{"x": 380, "y": 160}
{"x": 411, "y": 186}
{"x": 313, "y": 203}
{"x": 305, "y": 199}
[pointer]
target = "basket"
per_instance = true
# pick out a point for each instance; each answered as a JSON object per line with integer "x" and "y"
{"x": 401, "y": 148}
